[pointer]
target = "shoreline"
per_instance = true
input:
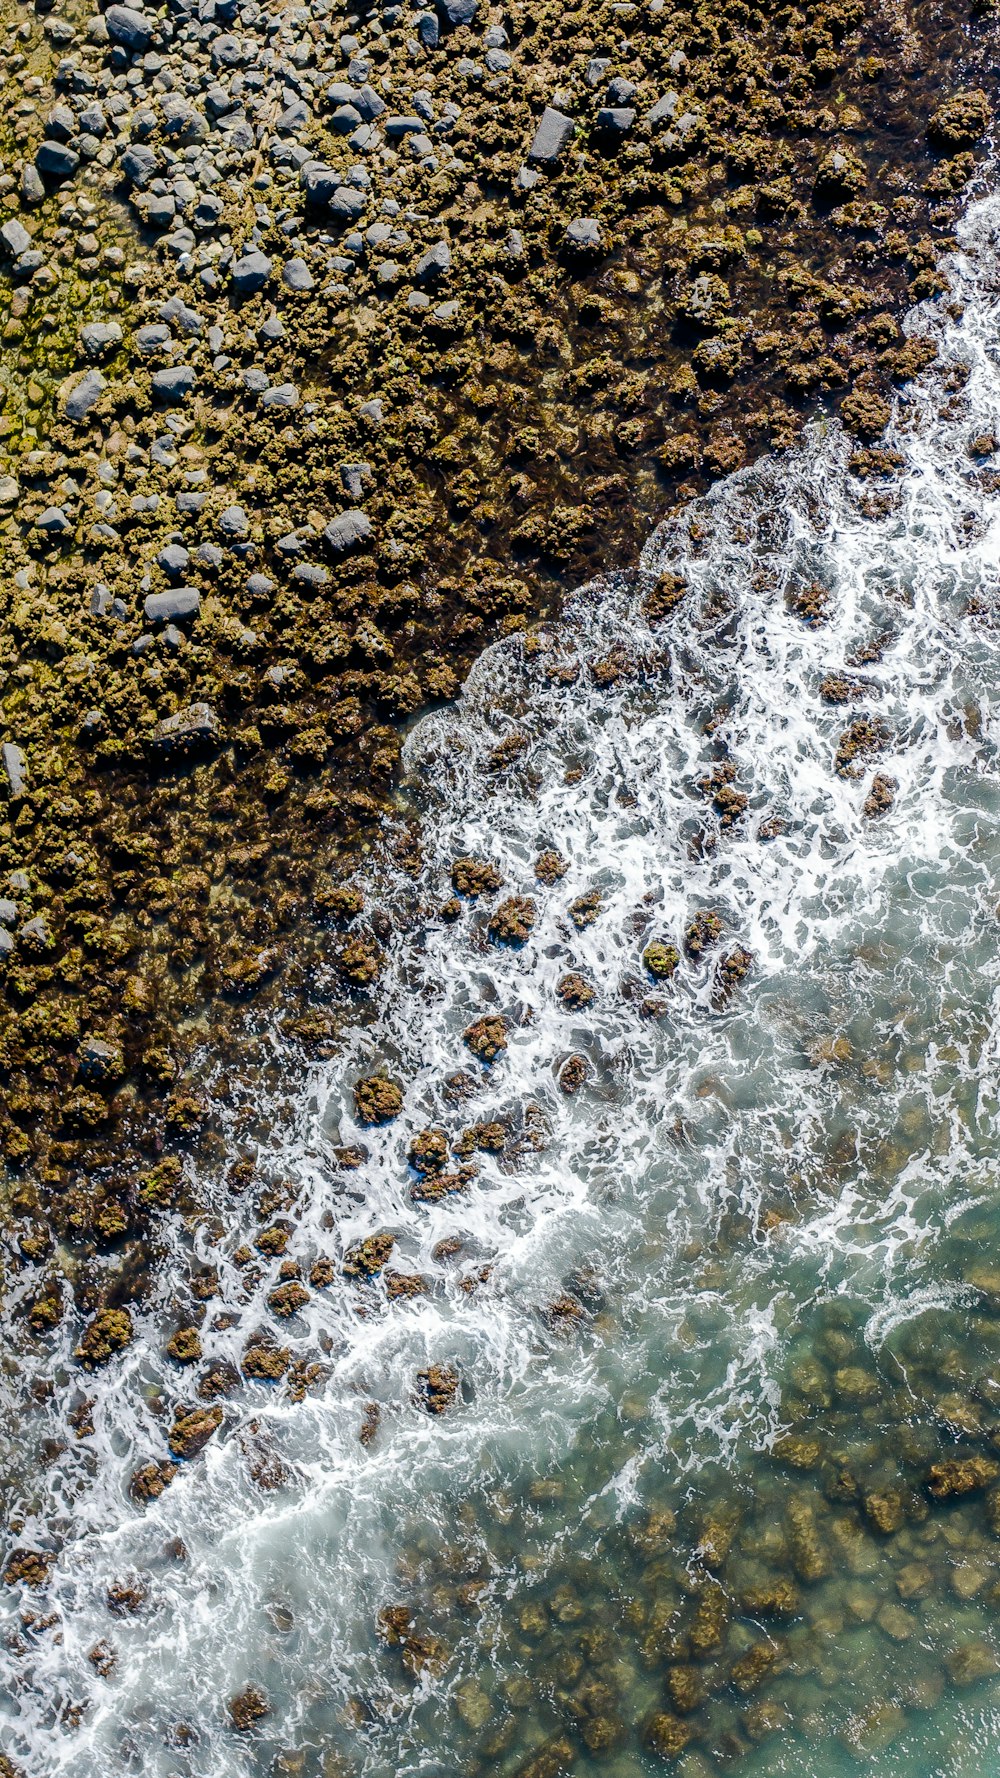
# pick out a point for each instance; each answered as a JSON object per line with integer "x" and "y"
{"x": 231, "y": 578}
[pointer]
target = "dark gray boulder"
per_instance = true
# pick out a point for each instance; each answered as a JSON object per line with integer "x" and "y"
{"x": 553, "y": 132}
{"x": 129, "y": 28}
{"x": 55, "y": 161}
{"x": 84, "y": 395}
{"x": 172, "y": 606}
{"x": 172, "y": 386}
{"x": 251, "y": 273}
{"x": 435, "y": 262}
{"x": 348, "y": 531}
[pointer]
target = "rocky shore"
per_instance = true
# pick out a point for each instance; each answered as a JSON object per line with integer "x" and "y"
{"x": 337, "y": 344}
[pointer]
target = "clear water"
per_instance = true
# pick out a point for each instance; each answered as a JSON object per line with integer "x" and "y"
{"x": 715, "y": 1314}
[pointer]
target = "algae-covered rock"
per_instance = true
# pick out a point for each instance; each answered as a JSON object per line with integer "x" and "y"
{"x": 810, "y": 1556}
{"x": 192, "y": 1429}
{"x": 28, "y": 1568}
{"x": 288, "y": 1299}
{"x": 960, "y": 120}
{"x": 150, "y": 1479}
{"x": 971, "y": 1663}
{"x": 377, "y": 1100}
{"x": 110, "y": 1332}
{"x": 437, "y": 1387}
{"x": 550, "y": 866}
{"x": 511, "y": 923}
{"x": 185, "y": 1345}
{"x": 704, "y": 932}
{"x": 956, "y": 1476}
{"x": 667, "y": 1736}
{"x": 686, "y": 1687}
{"x": 248, "y": 1707}
{"x": 475, "y": 876}
{"x": 661, "y": 959}
{"x": 367, "y": 1258}
{"x": 574, "y": 991}
{"x": 486, "y": 1037}
{"x": 885, "y": 1510}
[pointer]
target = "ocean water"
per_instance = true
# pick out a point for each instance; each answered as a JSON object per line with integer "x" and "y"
{"x": 715, "y": 1266}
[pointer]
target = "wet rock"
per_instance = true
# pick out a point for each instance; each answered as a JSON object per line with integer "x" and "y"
{"x": 247, "y": 1708}
{"x": 377, "y": 1100}
{"x": 874, "y": 1731}
{"x": 185, "y": 1345}
{"x": 486, "y": 1037}
{"x": 959, "y": 121}
{"x": 894, "y": 1622}
{"x": 110, "y": 1332}
{"x": 192, "y": 1429}
{"x": 512, "y": 922}
{"x": 437, "y": 1387}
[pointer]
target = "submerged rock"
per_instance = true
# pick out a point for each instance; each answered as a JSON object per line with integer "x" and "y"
{"x": 956, "y": 1476}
